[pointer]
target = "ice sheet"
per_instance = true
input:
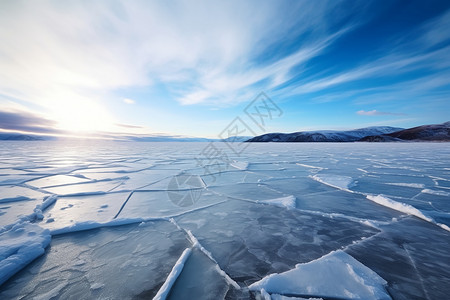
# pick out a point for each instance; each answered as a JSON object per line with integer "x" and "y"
{"x": 274, "y": 206}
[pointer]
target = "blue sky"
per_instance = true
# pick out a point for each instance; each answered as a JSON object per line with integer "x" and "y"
{"x": 190, "y": 67}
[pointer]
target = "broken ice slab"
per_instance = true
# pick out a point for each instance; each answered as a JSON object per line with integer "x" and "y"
{"x": 123, "y": 262}
{"x": 101, "y": 176}
{"x": 11, "y": 193}
{"x": 105, "y": 169}
{"x": 298, "y": 186}
{"x": 85, "y": 188}
{"x": 348, "y": 204}
{"x": 389, "y": 187}
{"x": 161, "y": 204}
{"x": 247, "y": 191}
{"x": 233, "y": 177}
{"x": 200, "y": 279}
{"x": 412, "y": 256}
{"x": 56, "y": 180}
{"x": 439, "y": 199}
{"x": 16, "y": 179}
{"x": 70, "y": 211}
{"x": 251, "y": 240}
{"x": 142, "y": 179}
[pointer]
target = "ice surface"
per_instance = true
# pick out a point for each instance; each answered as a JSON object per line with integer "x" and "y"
{"x": 110, "y": 220}
{"x": 124, "y": 262}
{"x": 336, "y": 275}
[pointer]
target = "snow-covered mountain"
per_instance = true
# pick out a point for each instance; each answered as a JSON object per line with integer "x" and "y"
{"x": 435, "y": 132}
{"x": 326, "y": 135}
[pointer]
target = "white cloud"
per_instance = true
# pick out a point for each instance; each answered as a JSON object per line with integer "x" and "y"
{"x": 129, "y": 101}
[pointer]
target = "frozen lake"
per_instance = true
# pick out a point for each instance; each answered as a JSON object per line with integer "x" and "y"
{"x": 123, "y": 220}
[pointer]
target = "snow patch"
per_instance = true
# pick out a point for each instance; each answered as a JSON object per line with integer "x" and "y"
{"x": 336, "y": 274}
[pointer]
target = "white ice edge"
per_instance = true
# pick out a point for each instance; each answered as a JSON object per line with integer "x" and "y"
{"x": 435, "y": 192}
{"x": 173, "y": 275}
{"x": 287, "y": 202}
{"x": 309, "y": 166}
{"x": 240, "y": 165}
{"x": 336, "y": 181}
{"x": 405, "y": 208}
{"x": 411, "y": 185}
{"x": 336, "y": 274}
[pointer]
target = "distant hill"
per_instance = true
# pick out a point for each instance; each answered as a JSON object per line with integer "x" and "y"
{"x": 19, "y": 137}
{"x": 436, "y": 132}
{"x": 326, "y": 135}
{"x": 169, "y": 138}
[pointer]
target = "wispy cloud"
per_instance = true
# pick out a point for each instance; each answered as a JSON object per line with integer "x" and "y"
{"x": 129, "y": 126}
{"x": 378, "y": 113}
{"x": 204, "y": 53}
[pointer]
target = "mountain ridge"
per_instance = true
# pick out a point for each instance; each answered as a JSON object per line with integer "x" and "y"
{"x": 434, "y": 132}
{"x": 325, "y": 135}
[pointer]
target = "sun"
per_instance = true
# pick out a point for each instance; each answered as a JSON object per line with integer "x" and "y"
{"x": 81, "y": 117}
